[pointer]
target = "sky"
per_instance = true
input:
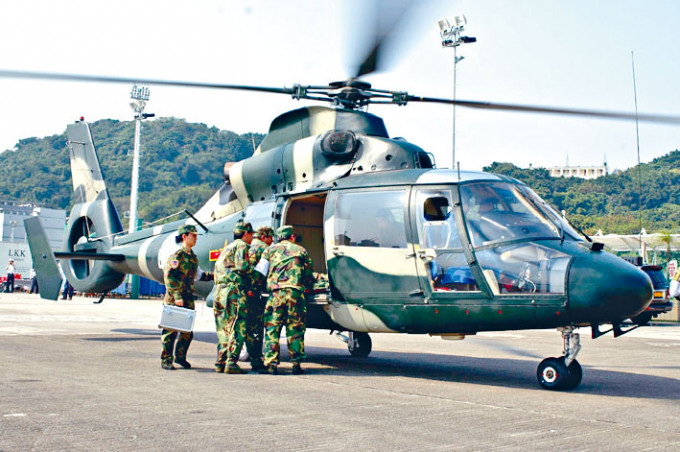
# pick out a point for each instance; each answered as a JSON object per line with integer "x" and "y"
{"x": 574, "y": 53}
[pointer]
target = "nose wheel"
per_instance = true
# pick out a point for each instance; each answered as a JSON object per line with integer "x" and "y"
{"x": 563, "y": 373}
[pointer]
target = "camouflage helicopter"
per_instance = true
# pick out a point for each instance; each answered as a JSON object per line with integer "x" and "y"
{"x": 406, "y": 247}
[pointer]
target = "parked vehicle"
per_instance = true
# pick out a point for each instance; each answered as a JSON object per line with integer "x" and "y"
{"x": 661, "y": 302}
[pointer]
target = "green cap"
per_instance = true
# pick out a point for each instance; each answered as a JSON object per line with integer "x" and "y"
{"x": 242, "y": 228}
{"x": 186, "y": 229}
{"x": 264, "y": 231}
{"x": 284, "y": 232}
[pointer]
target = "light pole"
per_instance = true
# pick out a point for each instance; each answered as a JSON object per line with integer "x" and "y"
{"x": 140, "y": 95}
{"x": 451, "y": 37}
{"x": 13, "y": 223}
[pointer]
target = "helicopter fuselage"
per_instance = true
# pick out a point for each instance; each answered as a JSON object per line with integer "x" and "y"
{"x": 427, "y": 251}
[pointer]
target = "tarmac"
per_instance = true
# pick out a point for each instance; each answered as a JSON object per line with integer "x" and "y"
{"x": 78, "y": 376}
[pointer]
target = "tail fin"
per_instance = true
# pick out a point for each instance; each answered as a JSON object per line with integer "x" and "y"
{"x": 86, "y": 173}
{"x": 44, "y": 263}
{"x": 93, "y": 219}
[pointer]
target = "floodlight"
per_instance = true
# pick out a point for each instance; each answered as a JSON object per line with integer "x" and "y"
{"x": 460, "y": 21}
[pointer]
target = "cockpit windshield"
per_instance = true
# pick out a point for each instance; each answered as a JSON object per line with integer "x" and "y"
{"x": 544, "y": 207}
{"x": 498, "y": 212}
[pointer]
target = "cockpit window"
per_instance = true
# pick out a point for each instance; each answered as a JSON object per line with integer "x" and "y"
{"x": 497, "y": 212}
{"x": 524, "y": 268}
{"x": 438, "y": 235}
{"x": 569, "y": 231}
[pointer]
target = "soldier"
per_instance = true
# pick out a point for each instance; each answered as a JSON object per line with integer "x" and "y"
{"x": 233, "y": 272}
{"x": 263, "y": 238}
{"x": 181, "y": 270}
{"x": 289, "y": 271}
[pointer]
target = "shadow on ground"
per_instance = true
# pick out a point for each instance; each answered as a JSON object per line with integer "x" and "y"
{"x": 519, "y": 373}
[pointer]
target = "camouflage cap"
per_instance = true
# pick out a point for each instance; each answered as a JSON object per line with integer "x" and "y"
{"x": 186, "y": 229}
{"x": 264, "y": 231}
{"x": 284, "y": 232}
{"x": 242, "y": 228}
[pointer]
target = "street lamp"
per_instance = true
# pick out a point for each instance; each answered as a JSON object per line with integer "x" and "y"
{"x": 451, "y": 37}
{"x": 13, "y": 223}
{"x": 140, "y": 95}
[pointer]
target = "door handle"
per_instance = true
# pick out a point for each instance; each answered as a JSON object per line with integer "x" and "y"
{"x": 416, "y": 293}
{"x": 426, "y": 256}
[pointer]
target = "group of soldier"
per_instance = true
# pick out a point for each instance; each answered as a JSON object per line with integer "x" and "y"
{"x": 250, "y": 269}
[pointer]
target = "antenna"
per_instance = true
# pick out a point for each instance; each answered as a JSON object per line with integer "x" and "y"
{"x": 637, "y": 135}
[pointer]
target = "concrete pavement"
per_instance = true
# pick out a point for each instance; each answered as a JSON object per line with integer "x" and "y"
{"x": 78, "y": 376}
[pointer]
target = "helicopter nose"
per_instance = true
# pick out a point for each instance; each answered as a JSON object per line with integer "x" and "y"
{"x": 605, "y": 288}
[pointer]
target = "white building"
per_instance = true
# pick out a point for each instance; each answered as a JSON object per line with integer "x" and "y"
{"x": 13, "y": 243}
{"x": 583, "y": 172}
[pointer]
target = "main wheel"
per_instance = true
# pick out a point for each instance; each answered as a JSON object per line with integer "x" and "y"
{"x": 553, "y": 374}
{"x": 359, "y": 345}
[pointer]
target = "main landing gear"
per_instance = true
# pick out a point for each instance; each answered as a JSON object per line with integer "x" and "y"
{"x": 358, "y": 344}
{"x": 563, "y": 373}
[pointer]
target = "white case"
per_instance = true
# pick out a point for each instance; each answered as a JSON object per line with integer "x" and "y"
{"x": 177, "y": 318}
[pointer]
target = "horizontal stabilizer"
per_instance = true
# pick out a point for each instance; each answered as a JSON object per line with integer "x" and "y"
{"x": 44, "y": 262}
{"x": 85, "y": 256}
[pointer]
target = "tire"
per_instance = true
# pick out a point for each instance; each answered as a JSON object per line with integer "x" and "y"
{"x": 360, "y": 345}
{"x": 575, "y": 375}
{"x": 642, "y": 319}
{"x": 554, "y": 375}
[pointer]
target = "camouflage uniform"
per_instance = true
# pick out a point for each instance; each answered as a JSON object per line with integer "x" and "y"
{"x": 256, "y": 304}
{"x": 179, "y": 275}
{"x": 232, "y": 276}
{"x": 290, "y": 274}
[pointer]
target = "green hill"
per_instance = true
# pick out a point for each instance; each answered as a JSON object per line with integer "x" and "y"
{"x": 181, "y": 165}
{"x": 610, "y": 203}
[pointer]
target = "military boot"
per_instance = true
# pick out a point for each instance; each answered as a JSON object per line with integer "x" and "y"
{"x": 256, "y": 366}
{"x": 183, "y": 362}
{"x": 234, "y": 369}
{"x": 297, "y": 369}
{"x": 167, "y": 366}
{"x": 219, "y": 368}
{"x": 271, "y": 370}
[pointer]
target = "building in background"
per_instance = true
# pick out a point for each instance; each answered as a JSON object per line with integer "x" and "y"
{"x": 582, "y": 172}
{"x": 13, "y": 243}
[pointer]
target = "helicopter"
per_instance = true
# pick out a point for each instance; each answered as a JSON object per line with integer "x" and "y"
{"x": 406, "y": 247}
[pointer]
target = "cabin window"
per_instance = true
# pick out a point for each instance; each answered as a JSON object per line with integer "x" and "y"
{"x": 371, "y": 219}
{"x": 437, "y": 231}
{"x": 525, "y": 268}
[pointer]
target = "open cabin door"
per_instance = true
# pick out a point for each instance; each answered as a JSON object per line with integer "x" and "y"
{"x": 305, "y": 214}
{"x": 370, "y": 261}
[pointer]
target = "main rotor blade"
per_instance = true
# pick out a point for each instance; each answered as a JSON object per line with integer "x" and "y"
{"x": 107, "y": 79}
{"x": 387, "y": 16}
{"x": 548, "y": 110}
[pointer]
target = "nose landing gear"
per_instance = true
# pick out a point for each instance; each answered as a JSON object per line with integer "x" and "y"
{"x": 563, "y": 373}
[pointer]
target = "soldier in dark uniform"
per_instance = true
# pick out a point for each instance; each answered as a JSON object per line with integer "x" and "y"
{"x": 181, "y": 270}
{"x": 233, "y": 273}
{"x": 289, "y": 274}
{"x": 262, "y": 239}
